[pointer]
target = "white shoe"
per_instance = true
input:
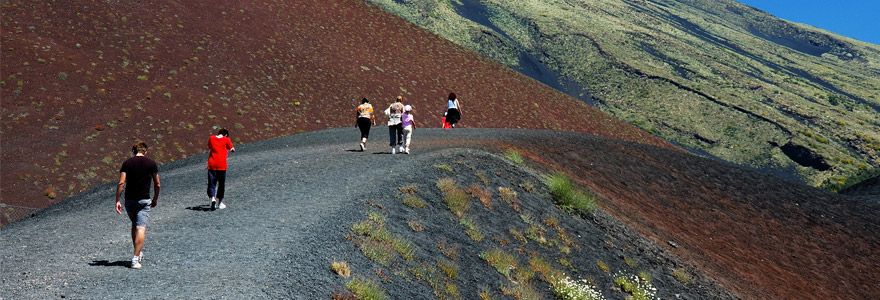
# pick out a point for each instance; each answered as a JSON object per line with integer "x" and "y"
{"x": 136, "y": 262}
{"x": 393, "y": 150}
{"x": 222, "y": 205}
{"x": 141, "y": 257}
{"x": 213, "y": 203}
{"x": 362, "y": 147}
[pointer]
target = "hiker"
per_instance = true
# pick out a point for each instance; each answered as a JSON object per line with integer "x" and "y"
{"x": 134, "y": 178}
{"x": 364, "y": 121}
{"x": 219, "y": 147}
{"x": 395, "y": 129}
{"x": 408, "y": 123}
{"x": 453, "y": 110}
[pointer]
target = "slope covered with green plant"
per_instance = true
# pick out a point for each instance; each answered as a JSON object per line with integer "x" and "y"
{"x": 717, "y": 77}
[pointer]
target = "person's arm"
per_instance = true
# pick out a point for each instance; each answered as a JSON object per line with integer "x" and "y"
{"x": 119, "y": 188}
{"x": 229, "y": 144}
{"x": 458, "y": 105}
{"x": 156, "y": 187}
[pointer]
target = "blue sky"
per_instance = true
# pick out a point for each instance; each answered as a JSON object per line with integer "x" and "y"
{"x": 853, "y": 18}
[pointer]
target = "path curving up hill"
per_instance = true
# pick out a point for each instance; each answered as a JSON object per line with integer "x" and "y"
{"x": 292, "y": 201}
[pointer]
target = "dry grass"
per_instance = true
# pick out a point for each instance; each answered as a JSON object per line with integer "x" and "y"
{"x": 448, "y": 267}
{"x": 480, "y": 193}
{"x": 341, "y": 268}
{"x": 413, "y": 201}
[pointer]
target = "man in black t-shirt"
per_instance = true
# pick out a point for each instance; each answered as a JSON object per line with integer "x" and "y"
{"x": 135, "y": 177}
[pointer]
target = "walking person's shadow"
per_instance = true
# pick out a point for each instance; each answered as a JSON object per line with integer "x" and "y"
{"x": 107, "y": 263}
{"x": 203, "y": 207}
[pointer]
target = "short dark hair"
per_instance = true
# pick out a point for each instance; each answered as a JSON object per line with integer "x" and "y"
{"x": 223, "y": 132}
{"x": 365, "y": 101}
{"x": 139, "y": 147}
{"x": 452, "y": 96}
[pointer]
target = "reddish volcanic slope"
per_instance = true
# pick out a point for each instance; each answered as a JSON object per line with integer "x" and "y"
{"x": 759, "y": 236}
{"x": 83, "y": 79}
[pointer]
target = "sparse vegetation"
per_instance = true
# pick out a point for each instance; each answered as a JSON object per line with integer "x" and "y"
{"x": 513, "y": 156}
{"x": 444, "y": 167}
{"x": 366, "y": 289}
{"x": 568, "y": 197}
{"x": 639, "y": 288}
{"x": 567, "y": 289}
{"x": 682, "y": 276}
{"x": 341, "y": 268}
{"x": 502, "y": 261}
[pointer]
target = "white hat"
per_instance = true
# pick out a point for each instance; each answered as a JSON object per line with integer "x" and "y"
{"x": 407, "y": 108}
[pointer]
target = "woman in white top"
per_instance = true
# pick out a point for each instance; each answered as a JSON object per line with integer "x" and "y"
{"x": 453, "y": 110}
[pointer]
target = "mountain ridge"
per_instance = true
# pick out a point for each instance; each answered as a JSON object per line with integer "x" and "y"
{"x": 720, "y": 77}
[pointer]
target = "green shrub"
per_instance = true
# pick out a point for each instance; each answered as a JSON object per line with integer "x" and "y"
{"x": 457, "y": 201}
{"x": 502, "y": 261}
{"x": 413, "y": 201}
{"x": 569, "y": 198}
{"x": 513, "y": 156}
{"x": 366, "y": 289}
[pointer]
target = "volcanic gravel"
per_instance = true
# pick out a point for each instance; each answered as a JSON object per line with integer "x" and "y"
{"x": 291, "y": 203}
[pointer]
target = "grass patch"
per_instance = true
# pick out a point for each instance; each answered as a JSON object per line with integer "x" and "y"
{"x": 378, "y": 252}
{"x": 603, "y": 266}
{"x": 404, "y": 247}
{"x": 415, "y": 226}
{"x": 502, "y": 261}
{"x": 341, "y": 268}
{"x": 444, "y": 167}
{"x": 631, "y": 262}
{"x": 413, "y": 201}
{"x": 366, "y": 289}
{"x": 681, "y": 275}
{"x": 638, "y": 287}
{"x": 482, "y": 194}
{"x": 569, "y": 198}
{"x": 508, "y": 195}
{"x": 454, "y": 197}
{"x": 409, "y": 189}
{"x": 521, "y": 291}
{"x": 513, "y": 156}
{"x": 448, "y": 267}
{"x": 445, "y": 184}
{"x": 471, "y": 229}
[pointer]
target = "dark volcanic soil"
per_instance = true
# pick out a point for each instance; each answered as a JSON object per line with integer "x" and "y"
{"x": 81, "y": 79}
{"x": 293, "y": 201}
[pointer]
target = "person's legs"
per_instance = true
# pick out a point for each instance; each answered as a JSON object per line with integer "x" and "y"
{"x": 407, "y": 132}
{"x": 220, "y": 175}
{"x": 212, "y": 181}
{"x": 138, "y": 234}
{"x": 399, "y": 129}
{"x": 138, "y": 212}
{"x": 392, "y": 135}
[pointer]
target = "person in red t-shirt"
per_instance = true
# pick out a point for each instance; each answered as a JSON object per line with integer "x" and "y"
{"x": 219, "y": 147}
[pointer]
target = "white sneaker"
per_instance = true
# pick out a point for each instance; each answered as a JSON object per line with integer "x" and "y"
{"x": 136, "y": 262}
{"x": 141, "y": 257}
{"x": 222, "y": 205}
{"x": 406, "y": 150}
{"x": 362, "y": 147}
{"x": 213, "y": 203}
{"x": 393, "y": 150}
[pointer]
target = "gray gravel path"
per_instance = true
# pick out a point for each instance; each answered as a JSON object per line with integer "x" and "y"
{"x": 290, "y": 204}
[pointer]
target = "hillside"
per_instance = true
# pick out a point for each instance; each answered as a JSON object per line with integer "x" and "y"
{"x": 81, "y": 80}
{"x": 719, "y": 78}
{"x": 459, "y": 218}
